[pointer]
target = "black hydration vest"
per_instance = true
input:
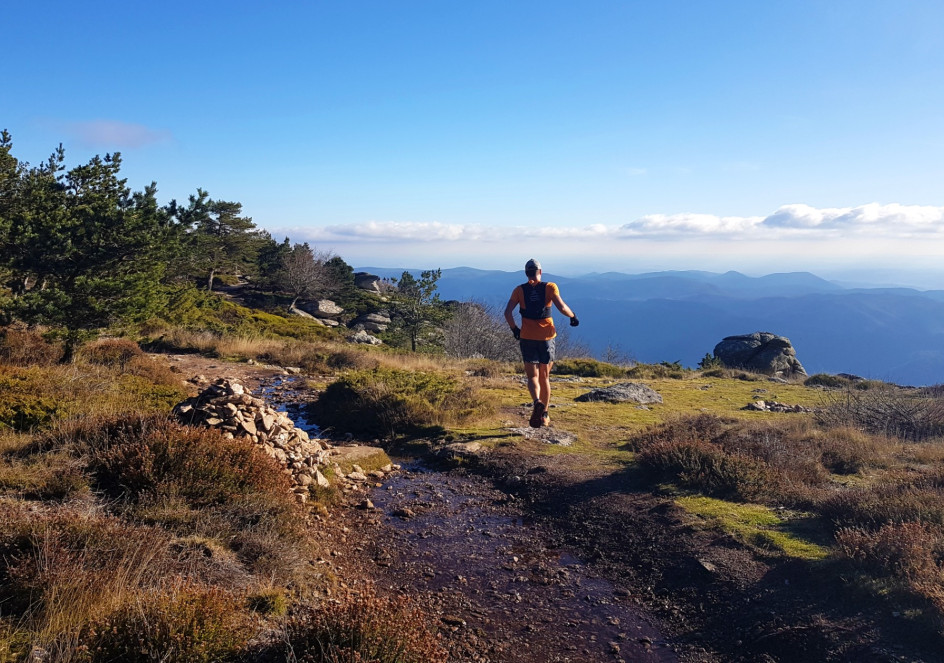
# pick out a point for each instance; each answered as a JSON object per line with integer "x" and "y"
{"x": 534, "y": 298}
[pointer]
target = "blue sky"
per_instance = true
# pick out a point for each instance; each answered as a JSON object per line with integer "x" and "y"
{"x": 760, "y": 136}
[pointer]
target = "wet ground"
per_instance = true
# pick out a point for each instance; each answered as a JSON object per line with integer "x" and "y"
{"x": 464, "y": 549}
{"x": 502, "y": 593}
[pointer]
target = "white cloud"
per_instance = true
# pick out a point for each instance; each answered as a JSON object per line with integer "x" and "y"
{"x": 654, "y": 225}
{"x": 113, "y": 134}
{"x": 818, "y": 228}
{"x": 893, "y": 220}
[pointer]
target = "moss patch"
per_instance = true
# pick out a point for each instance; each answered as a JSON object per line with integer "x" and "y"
{"x": 755, "y": 525}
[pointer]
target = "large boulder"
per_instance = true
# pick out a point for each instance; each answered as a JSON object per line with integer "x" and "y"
{"x": 325, "y": 308}
{"x": 624, "y": 392}
{"x": 368, "y": 282}
{"x": 761, "y": 352}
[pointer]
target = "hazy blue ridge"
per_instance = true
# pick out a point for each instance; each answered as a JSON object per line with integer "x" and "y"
{"x": 894, "y": 334}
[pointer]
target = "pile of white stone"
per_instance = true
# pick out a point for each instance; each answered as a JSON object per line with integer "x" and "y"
{"x": 231, "y": 407}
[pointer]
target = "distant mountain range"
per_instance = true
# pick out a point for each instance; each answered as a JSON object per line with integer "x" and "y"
{"x": 894, "y": 334}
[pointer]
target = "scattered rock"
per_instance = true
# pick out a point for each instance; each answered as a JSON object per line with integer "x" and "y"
{"x": 624, "y": 392}
{"x": 761, "y": 352}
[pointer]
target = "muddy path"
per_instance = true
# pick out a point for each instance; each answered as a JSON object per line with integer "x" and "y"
{"x": 468, "y": 551}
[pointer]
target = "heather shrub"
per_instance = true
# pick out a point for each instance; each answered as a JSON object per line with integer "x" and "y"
{"x": 589, "y": 368}
{"x": 189, "y": 625}
{"x": 907, "y": 553}
{"x": 871, "y": 507}
{"x": 901, "y": 550}
{"x": 696, "y": 427}
{"x": 708, "y": 468}
{"x": 363, "y": 627}
{"x": 116, "y": 352}
{"x": 392, "y": 402}
{"x": 826, "y": 380}
{"x": 135, "y": 457}
{"x": 848, "y": 451}
{"x": 21, "y": 347}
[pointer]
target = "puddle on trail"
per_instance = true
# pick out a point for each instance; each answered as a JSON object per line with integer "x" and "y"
{"x": 502, "y": 594}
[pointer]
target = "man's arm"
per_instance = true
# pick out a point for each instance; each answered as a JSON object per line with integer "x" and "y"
{"x": 509, "y": 314}
{"x": 561, "y": 306}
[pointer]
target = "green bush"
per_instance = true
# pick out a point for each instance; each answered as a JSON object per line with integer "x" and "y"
{"x": 191, "y": 625}
{"x": 393, "y": 402}
{"x": 363, "y": 627}
{"x": 135, "y": 457}
{"x": 588, "y": 368}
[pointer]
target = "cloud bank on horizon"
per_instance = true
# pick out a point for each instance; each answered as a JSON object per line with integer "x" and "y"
{"x": 795, "y": 221}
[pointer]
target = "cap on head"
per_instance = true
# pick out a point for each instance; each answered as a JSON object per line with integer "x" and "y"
{"x": 532, "y": 267}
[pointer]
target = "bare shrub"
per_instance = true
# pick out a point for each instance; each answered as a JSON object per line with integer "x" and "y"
{"x": 887, "y": 410}
{"x": 476, "y": 331}
{"x": 363, "y": 627}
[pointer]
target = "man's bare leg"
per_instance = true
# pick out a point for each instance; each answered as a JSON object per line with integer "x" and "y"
{"x": 534, "y": 384}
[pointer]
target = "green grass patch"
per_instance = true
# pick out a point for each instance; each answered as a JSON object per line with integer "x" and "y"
{"x": 753, "y": 524}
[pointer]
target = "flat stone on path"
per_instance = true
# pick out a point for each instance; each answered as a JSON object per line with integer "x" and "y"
{"x": 624, "y": 392}
{"x": 547, "y": 434}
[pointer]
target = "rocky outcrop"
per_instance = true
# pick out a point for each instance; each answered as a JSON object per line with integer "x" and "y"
{"x": 371, "y": 322}
{"x": 624, "y": 392}
{"x": 367, "y": 282}
{"x": 230, "y": 407}
{"x": 760, "y": 352}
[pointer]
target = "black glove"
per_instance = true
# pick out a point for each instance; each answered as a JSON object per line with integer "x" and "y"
{"x": 517, "y": 333}
{"x": 574, "y": 321}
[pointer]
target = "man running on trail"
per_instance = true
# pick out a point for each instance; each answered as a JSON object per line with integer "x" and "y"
{"x": 536, "y": 335}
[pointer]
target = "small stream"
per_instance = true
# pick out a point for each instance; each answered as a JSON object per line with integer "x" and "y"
{"x": 502, "y": 593}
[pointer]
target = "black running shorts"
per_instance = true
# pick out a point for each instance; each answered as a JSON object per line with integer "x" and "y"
{"x": 537, "y": 352}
